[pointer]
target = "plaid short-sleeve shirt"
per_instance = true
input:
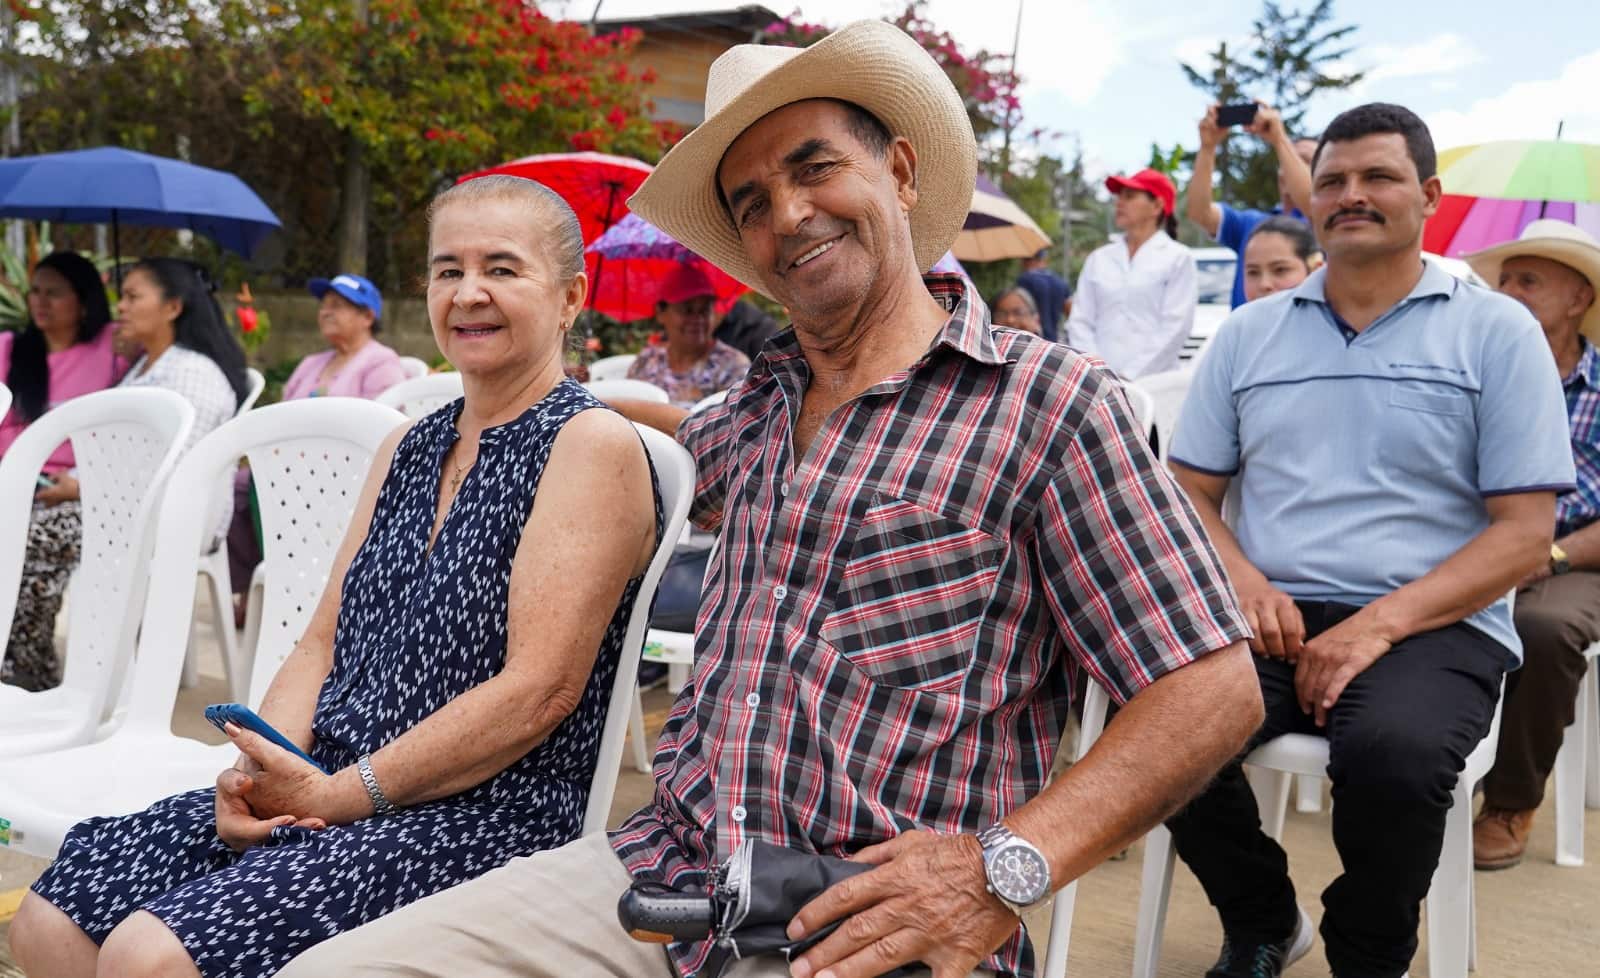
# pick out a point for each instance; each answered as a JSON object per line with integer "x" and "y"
{"x": 1580, "y": 507}
{"x": 887, "y": 637}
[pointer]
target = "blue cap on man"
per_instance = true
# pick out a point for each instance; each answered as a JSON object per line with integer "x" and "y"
{"x": 356, "y": 289}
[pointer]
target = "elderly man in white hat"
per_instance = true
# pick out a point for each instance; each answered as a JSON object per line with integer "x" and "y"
{"x": 1553, "y": 268}
{"x": 927, "y": 527}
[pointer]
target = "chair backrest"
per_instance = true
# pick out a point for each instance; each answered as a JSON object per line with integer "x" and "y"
{"x": 611, "y": 368}
{"x": 126, "y": 443}
{"x": 1144, "y": 407}
{"x": 676, "y": 475}
{"x": 632, "y": 390}
{"x": 1167, "y": 391}
{"x": 414, "y": 367}
{"x": 255, "y": 382}
{"x": 421, "y": 396}
{"x": 309, "y": 459}
{"x": 710, "y": 401}
{"x": 5, "y": 400}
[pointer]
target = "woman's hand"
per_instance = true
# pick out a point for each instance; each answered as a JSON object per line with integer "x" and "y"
{"x": 280, "y": 784}
{"x": 63, "y": 490}
{"x": 237, "y": 825}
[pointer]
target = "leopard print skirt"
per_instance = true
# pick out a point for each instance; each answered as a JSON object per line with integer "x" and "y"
{"x": 55, "y": 535}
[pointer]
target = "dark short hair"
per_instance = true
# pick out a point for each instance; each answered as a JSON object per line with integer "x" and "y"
{"x": 868, "y": 129}
{"x": 1297, "y": 231}
{"x": 1378, "y": 118}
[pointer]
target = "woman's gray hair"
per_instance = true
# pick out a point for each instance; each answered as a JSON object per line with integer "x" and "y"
{"x": 553, "y": 220}
{"x": 1019, "y": 292}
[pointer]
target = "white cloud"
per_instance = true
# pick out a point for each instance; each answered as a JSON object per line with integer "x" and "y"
{"x": 1529, "y": 110}
{"x": 1445, "y": 54}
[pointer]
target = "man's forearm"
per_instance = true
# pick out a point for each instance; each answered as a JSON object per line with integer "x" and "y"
{"x": 1197, "y": 204}
{"x": 1296, "y": 175}
{"x": 1223, "y": 541}
{"x": 1160, "y": 751}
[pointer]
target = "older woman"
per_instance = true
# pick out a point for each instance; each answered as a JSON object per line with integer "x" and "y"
{"x": 455, "y": 677}
{"x": 355, "y": 364}
{"x": 1015, "y": 308}
{"x": 64, "y": 351}
{"x": 693, "y": 364}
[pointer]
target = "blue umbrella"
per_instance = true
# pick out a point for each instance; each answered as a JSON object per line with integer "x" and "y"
{"x": 109, "y": 185}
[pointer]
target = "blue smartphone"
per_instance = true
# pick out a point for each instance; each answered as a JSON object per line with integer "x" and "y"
{"x": 44, "y": 481}
{"x": 220, "y": 714}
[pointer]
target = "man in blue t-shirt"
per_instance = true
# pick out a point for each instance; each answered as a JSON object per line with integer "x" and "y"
{"x": 1231, "y": 226}
{"x": 1050, "y": 292}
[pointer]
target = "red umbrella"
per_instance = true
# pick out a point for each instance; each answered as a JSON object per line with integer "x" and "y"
{"x": 639, "y": 257}
{"x": 595, "y": 185}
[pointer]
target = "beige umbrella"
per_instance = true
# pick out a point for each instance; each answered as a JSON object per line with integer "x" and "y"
{"x": 997, "y": 228}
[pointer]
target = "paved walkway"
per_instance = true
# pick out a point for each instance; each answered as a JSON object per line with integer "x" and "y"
{"x": 1536, "y": 919}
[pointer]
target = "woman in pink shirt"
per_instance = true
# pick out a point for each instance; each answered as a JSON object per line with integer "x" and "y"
{"x": 64, "y": 352}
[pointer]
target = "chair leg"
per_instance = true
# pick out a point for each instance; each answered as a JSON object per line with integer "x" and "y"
{"x": 1155, "y": 888}
{"x": 1055, "y": 956}
{"x": 255, "y": 599}
{"x": 214, "y": 567}
{"x": 1569, "y": 786}
{"x": 1271, "y": 789}
{"x": 1307, "y": 793}
{"x": 641, "y": 755}
{"x": 1591, "y": 695}
{"x": 1450, "y": 912}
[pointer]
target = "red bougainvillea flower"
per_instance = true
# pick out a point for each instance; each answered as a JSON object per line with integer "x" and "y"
{"x": 247, "y": 319}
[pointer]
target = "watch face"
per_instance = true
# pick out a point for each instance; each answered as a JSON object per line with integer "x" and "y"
{"x": 1019, "y": 875}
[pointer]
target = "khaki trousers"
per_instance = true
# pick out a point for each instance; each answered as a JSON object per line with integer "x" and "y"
{"x": 549, "y": 915}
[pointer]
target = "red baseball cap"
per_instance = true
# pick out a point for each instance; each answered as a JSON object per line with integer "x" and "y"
{"x": 1153, "y": 182}
{"x": 684, "y": 283}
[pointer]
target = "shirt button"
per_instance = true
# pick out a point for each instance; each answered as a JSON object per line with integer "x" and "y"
{"x": 753, "y": 700}
{"x": 780, "y": 592}
{"x": 783, "y": 490}
{"x": 739, "y": 813}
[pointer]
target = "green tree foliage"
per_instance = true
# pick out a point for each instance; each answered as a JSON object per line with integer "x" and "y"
{"x": 1293, "y": 56}
{"x": 271, "y": 89}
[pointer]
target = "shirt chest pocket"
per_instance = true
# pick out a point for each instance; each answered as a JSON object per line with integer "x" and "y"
{"x": 910, "y": 601}
{"x": 1432, "y": 428}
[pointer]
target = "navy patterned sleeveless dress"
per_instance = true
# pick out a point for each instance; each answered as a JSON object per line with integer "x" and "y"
{"x": 415, "y": 631}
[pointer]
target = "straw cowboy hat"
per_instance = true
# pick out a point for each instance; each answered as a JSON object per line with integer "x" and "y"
{"x": 1558, "y": 241}
{"x": 870, "y": 63}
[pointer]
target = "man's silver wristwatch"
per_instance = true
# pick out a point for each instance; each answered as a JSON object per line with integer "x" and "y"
{"x": 1017, "y": 872}
{"x": 381, "y": 805}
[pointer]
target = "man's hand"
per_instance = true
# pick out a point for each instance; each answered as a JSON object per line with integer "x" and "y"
{"x": 1277, "y": 629}
{"x": 1336, "y": 656}
{"x": 63, "y": 489}
{"x": 926, "y": 901}
{"x": 280, "y": 783}
{"x": 1535, "y": 576}
{"x": 237, "y": 826}
{"x": 1211, "y": 134}
{"x": 1268, "y": 124}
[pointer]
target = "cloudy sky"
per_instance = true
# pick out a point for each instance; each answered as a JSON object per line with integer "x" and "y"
{"x": 1106, "y": 74}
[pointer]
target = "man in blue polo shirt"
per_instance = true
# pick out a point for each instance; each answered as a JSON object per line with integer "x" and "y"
{"x": 1398, "y": 438}
{"x": 1231, "y": 226}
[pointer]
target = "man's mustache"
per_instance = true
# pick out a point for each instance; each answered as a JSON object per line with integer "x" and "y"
{"x": 1370, "y": 215}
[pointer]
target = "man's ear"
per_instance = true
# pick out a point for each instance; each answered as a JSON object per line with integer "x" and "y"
{"x": 903, "y": 166}
{"x": 1432, "y": 191}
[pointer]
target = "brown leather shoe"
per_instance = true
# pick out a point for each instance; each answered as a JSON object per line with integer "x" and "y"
{"x": 1499, "y": 837}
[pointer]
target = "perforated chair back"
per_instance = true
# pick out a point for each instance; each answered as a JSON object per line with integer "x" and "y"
{"x": 676, "y": 474}
{"x": 309, "y": 459}
{"x": 611, "y": 368}
{"x": 421, "y": 396}
{"x": 414, "y": 367}
{"x": 631, "y": 390}
{"x": 126, "y": 443}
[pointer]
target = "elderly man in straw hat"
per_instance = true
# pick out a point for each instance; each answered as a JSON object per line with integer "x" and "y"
{"x": 927, "y": 527}
{"x": 1554, "y": 270}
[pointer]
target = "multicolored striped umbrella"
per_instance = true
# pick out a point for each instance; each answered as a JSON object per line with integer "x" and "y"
{"x": 1494, "y": 190}
{"x": 1467, "y": 224}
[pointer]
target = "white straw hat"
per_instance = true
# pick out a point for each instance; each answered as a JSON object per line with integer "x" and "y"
{"x": 870, "y": 63}
{"x": 1558, "y": 241}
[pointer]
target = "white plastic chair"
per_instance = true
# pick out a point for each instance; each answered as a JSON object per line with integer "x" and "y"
{"x": 310, "y": 459}
{"x": 710, "y": 401}
{"x": 255, "y": 383}
{"x": 5, "y": 400}
{"x": 611, "y": 368}
{"x": 125, "y": 442}
{"x": 1577, "y": 773}
{"x": 414, "y": 367}
{"x": 676, "y": 474}
{"x": 421, "y": 396}
{"x": 1144, "y": 406}
{"x": 1166, "y": 392}
{"x": 631, "y": 390}
{"x": 1092, "y": 723}
{"x": 1452, "y": 917}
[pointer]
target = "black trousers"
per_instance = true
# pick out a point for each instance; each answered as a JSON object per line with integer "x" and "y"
{"x": 1398, "y": 739}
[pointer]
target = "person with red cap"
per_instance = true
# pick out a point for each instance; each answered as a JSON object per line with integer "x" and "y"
{"x": 693, "y": 363}
{"x": 1136, "y": 295}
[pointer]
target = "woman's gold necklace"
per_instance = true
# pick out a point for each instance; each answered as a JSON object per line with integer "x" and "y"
{"x": 455, "y": 480}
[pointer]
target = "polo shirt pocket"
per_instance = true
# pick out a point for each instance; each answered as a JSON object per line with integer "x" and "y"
{"x": 1429, "y": 429}
{"x": 910, "y": 601}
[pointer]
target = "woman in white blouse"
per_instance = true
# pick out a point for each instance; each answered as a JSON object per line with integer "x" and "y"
{"x": 1136, "y": 295}
{"x": 168, "y": 312}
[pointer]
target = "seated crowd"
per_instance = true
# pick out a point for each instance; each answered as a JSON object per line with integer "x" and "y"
{"x": 928, "y": 527}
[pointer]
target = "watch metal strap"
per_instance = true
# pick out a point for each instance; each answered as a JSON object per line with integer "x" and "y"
{"x": 994, "y": 835}
{"x": 380, "y": 804}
